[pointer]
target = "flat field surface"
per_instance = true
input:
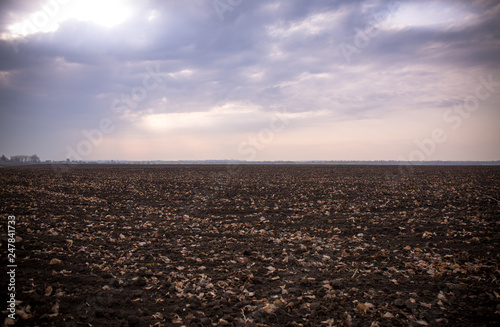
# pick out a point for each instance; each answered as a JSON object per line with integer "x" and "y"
{"x": 270, "y": 245}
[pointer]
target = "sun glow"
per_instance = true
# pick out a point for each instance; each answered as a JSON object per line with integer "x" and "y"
{"x": 107, "y": 14}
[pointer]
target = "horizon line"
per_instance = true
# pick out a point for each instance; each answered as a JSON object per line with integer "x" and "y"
{"x": 236, "y": 161}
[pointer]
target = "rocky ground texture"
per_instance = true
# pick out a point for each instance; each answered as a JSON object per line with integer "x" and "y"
{"x": 269, "y": 245}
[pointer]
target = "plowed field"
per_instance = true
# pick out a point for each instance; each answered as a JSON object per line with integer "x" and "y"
{"x": 268, "y": 245}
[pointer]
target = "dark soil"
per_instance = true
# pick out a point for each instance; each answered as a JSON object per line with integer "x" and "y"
{"x": 269, "y": 245}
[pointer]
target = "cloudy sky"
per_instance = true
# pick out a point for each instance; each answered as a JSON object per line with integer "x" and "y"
{"x": 250, "y": 80}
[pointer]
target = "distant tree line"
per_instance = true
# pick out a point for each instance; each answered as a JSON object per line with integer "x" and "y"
{"x": 21, "y": 158}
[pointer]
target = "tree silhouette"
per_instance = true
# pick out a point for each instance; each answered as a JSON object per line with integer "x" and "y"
{"x": 22, "y": 158}
{"x": 34, "y": 158}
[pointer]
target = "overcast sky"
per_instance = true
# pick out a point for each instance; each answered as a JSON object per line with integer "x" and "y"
{"x": 250, "y": 80}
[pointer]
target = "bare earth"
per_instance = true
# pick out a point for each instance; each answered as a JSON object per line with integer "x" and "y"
{"x": 270, "y": 245}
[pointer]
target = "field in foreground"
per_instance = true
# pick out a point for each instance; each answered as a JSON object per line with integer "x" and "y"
{"x": 254, "y": 245}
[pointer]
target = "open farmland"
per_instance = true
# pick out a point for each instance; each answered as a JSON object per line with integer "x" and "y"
{"x": 270, "y": 245}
